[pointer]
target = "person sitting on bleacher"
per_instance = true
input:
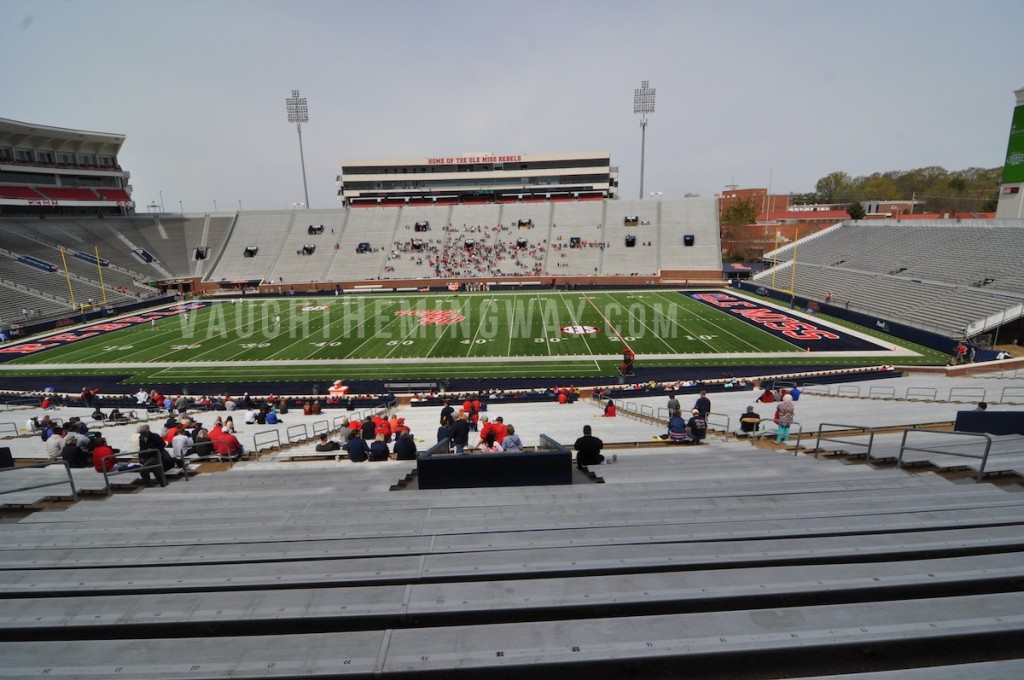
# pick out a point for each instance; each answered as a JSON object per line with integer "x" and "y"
{"x": 325, "y": 445}
{"x": 181, "y": 443}
{"x": 202, "y": 446}
{"x": 55, "y": 443}
{"x": 152, "y": 451}
{"x": 749, "y": 421}
{"x": 676, "y": 427}
{"x": 227, "y": 444}
{"x": 511, "y": 442}
{"x": 379, "y": 449}
{"x": 356, "y": 447}
{"x": 100, "y": 450}
{"x": 405, "y": 446}
{"x": 696, "y": 428}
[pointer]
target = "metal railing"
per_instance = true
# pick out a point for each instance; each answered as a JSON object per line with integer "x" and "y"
{"x": 40, "y": 485}
{"x": 822, "y": 432}
{"x": 975, "y": 436}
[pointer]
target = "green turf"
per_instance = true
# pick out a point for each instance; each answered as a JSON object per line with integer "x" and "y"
{"x": 383, "y": 336}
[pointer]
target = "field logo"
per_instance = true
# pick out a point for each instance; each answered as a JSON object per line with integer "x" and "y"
{"x": 315, "y": 308}
{"x": 580, "y": 329}
{"x": 433, "y": 316}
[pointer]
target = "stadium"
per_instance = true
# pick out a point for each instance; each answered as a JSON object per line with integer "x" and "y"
{"x": 883, "y": 539}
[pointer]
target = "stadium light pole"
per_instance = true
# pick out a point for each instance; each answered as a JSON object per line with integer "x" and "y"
{"x": 643, "y": 103}
{"x": 298, "y": 113}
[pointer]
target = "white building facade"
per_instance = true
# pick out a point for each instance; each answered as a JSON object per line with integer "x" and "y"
{"x": 477, "y": 178}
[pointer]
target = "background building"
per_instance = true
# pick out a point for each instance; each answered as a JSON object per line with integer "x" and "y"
{"x": 477, "y": 178}
{"x": 57, "y": 171}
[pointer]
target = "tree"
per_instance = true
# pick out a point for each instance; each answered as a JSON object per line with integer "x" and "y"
{"x": 803, "y": 199}
{"x": 856, "y": 211}
{"x": 743, "y": 212}
{"x": 833, "y": 186}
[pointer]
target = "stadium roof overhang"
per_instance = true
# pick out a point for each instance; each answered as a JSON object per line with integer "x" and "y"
{"x": 26, "y": 134}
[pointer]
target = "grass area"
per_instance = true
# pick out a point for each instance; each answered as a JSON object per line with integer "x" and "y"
{"x": 409, "y": 336}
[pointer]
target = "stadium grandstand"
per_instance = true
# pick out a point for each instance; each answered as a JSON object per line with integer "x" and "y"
{"x": 57, "y": 171}
{"x": 879, "y": 535}
{"x": 954, "y": 278}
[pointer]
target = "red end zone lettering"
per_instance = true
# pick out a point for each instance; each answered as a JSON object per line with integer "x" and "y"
{"x": 27, "y": 348}
{"x": 768, "y": 318}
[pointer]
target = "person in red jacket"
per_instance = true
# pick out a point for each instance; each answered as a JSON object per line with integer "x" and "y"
{"x": 609, "y": 409}
{"x": 227, "y": 444}
{"x": 500, "y": 431}
{"x": 100, "y": 450}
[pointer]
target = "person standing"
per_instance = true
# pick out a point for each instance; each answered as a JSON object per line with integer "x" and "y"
{"x": 784, "y": 419}
{"x": 458, "y": 433}
{"x": 673, "y": 404}
{"x": 703, "y": 404}
{"x": 588, "y": 449}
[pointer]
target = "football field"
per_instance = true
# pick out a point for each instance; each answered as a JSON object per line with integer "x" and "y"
{"x": 469, "y": 335}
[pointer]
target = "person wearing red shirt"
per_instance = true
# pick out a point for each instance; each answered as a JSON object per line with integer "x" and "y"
{"x": 500, "y": 431}
{"x": 227, "y": 444}
{"x": 100, "y": 449}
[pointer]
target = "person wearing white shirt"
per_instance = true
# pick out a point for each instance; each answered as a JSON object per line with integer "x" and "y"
{"x": 180, "y": 444}
{"x": 250, "y": 416}
{"x": 55, "y": 444}
{"x": 142, "y": 397}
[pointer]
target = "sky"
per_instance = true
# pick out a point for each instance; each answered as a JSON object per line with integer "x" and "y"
{"x": 762, "y": 93}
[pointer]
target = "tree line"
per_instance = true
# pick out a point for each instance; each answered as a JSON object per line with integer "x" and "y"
{"x": 936, "y": 189}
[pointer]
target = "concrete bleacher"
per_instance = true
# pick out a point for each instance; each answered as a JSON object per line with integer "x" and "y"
{"x": 725, "y": 560}
{"x": 376, "y": 226}
{"x": 943, "y": 275}
{"x": 265, "y": 231}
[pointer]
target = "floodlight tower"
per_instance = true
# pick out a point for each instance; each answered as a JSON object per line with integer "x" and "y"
{"x": 643, "y": 103}
{"x": 298, "y": 113}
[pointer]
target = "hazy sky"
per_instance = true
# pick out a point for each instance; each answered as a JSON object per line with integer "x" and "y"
{"x": 745, "y": 90}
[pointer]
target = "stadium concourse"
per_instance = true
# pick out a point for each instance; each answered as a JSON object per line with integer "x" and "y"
{"x": 737, "y": 558}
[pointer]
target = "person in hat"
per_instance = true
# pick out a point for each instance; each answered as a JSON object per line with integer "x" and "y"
{"x": 696, "y": 427}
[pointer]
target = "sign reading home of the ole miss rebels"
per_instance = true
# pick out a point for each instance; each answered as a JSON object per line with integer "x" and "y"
{"x": 455, "y": 160}
{"x": 801, "y": 332}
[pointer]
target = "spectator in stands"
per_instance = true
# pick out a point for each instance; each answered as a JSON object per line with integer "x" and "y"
{"x": 251, "y": 416}
{"x": 98, "y": 414}
{"x": 609, "y": 409}
{"x": 229, "y": 425}
{"x": 982, "y": 406}
{"x": 405, "y": 447}
{"x": 588, "y": 449}
{"x": 767, "y": 397}
{"x": 676, "y": 427}
{"x": 500, "y": 429}
{"x": 490, "y": 443}
{"x": 696, "y": 427}
{"x": 511, "y": 442}
{"x": 181, "y": 404}
{"x": 749, "y": 420}
{"x": 152, "y": 451}
{"x": 55, "y": 443}
{"x": 1003, "y": 355}
{"x": 784, "y": 415}
{"x": 703, "y": 404}
{"x": 203, "y": 445}
{"x": 444, "y": 428}
{"x": 227, "y": 444}
{"x": 142, "y": 397}
{"x": 325, "y": 444}
{"x": 272, "y": 417}
{"x": 181, "y": 444}
{"x": 458, "y": 433}
{"x": 673, "y": 404}
{"x": 447, "y": 410}
{"x": 100, "y": 450}
{"x": 379, "y": 449}
{"x": 356, "y": 447}
{"x": 229, "y": 404}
